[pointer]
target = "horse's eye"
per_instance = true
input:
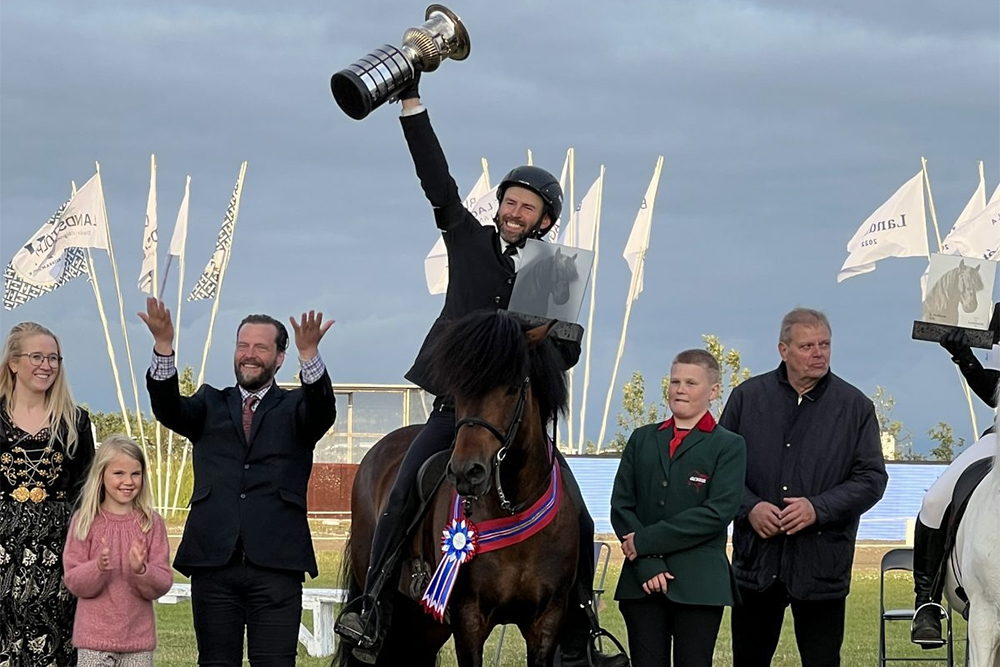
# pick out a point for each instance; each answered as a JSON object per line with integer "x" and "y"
{"x": 512, "y": 391}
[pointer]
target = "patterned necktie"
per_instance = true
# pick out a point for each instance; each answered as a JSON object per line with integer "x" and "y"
{"x": 248, "y": 406}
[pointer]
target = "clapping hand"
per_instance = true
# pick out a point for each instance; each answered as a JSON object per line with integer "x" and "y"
{"x": 309, "y": 331}
{"x": 104, "y": 559}
{"x": 137, "y": 556}
{"x": 157, "y": 319}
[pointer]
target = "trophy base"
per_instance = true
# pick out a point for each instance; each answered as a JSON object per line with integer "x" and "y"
{"x": 567, "y": 331}
{"x": 981, "y": 338}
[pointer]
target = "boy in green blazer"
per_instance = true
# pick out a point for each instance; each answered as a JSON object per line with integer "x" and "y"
{"x": 678, "y": 487}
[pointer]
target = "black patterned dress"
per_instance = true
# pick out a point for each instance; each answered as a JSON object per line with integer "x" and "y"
{"x": 39, "y": 485}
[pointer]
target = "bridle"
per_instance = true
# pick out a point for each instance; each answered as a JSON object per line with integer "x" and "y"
{"x": 506, "y": 441}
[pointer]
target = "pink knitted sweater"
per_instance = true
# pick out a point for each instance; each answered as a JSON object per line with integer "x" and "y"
{"x": 114, "y": 611}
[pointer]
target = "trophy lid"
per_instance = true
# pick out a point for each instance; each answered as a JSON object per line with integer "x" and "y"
{"x": 460, "y": 43}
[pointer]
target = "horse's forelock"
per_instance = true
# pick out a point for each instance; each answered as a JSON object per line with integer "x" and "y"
{"x": 479, "y": 353}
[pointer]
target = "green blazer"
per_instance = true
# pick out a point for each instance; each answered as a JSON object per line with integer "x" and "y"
{"x": 679, "y": 509}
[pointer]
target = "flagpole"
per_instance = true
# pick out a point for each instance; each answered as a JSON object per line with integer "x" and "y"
{"x": 530, "y": 161}
{"x": 486, "y": 173}
{"x": 632, "y": 295}
{"x": 92, "y": 276}
{"x": 569, "y": 375}
{"x": 177, "y": 342}
{"x": 590, "y": 316}
{"x": 121, "y": 315}
{"x": 161, "y": 488}
{"x": 961, "y": 378}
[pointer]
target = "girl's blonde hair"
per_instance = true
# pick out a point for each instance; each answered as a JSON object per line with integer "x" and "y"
{"x": 60, "y": 409}
{"x": 93, "y": 489}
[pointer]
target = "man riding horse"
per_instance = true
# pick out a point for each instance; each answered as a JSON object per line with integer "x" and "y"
{"x": 482, "y": 264}
{"x": 937, "y": 511}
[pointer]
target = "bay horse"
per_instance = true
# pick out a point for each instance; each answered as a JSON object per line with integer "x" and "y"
{"x": 507, "y": 386}
{"x": 974, "y": 568}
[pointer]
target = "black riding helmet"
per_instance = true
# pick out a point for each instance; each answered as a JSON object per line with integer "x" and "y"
{"x": 543, "y": 184}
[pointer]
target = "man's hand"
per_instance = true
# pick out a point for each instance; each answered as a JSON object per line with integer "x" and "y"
{"x": 628, "y": 546}
{"x": 157, "y": 319}
{"x": 798, "y": 514}
{"x": 657, "y": 584}
{"x": 309, "y": 332}
{"x": 411, "y": 92}
{"x": 765, "y": 519}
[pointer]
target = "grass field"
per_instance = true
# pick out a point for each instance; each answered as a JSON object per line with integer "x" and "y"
{"x": 177, "y": 643}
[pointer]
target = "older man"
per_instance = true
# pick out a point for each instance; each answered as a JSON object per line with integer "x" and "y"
{"x": 814, "y": 465}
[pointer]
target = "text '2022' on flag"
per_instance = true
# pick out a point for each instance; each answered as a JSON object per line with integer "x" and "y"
{"x": 898, "y": 228}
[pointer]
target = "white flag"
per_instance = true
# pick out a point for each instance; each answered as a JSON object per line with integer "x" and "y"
{"x": 897, "y": 228}
{"x": 638, "y": 240}
{"x": 147, "y": 274}
{"x": 482, "y": 203}
{"x": 956, "y": 241}
{"x": 584, "y": 224}
{"x": 25, "y": 278}
{"x": 977, "y": 232}
{"x": 208, "y": 283}
{"x": 179, "y": 237}
{"x": 553, "y": 234}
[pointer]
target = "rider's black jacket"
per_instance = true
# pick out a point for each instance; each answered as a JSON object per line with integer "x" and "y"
{"x": 479, "y": 275}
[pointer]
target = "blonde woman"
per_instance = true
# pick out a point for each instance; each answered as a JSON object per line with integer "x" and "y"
{"x": 46, "y": 447}
{"x": 117, "y": 560}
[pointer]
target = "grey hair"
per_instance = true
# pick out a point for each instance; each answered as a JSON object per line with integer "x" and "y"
{"x": 806, "y": 316}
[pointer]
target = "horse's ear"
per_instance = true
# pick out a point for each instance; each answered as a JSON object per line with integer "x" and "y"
{"x": 961, "y": 263}
{"x": 558, "y": 252}
{"x": 539, "y": 333}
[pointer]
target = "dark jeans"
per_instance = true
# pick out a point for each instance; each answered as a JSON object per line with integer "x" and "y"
{"x": 240, "y": 595}
{"x": 819, "y": 628}
{"x": 653, "y": 621}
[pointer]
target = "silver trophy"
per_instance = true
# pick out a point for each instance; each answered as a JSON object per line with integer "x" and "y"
{"x": 380, "y": 75}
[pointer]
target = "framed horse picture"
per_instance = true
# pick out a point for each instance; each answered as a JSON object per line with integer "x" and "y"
{"x": 551, "y": 281}
{"x": 959, "y": 291}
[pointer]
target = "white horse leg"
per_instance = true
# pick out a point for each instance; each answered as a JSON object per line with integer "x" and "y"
{"x": 984, "y": 634}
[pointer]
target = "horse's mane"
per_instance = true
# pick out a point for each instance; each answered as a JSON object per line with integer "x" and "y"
{"x": 487, "y": 349}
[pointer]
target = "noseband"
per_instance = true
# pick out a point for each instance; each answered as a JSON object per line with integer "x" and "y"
{"x": 505, "y": 440}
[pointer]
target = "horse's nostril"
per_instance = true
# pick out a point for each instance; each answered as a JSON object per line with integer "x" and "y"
{"x": 476, "y": 473}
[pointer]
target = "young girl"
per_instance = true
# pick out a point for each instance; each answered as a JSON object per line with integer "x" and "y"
{"x": 116, "y": 560}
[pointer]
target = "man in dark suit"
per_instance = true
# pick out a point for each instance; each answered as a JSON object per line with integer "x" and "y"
{"x": 246, "y": 543}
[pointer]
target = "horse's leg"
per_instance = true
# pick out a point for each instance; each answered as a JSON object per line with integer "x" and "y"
{"x": 471, "y": 631}
{"x": 541, "y": 637}
{"x": 984, "y": 634}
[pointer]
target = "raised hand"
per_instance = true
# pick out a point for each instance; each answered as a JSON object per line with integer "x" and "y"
{"x": 157, "y": 319}
{"x": 104, "y": 560}
{"x": 309, "y": 331}
{"x": 137, "y": 556}
{"x": 956, "y": 342}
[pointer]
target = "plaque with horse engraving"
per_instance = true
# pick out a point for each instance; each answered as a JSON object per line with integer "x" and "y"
{"x": 551, "y": 281}
{"x": 959, "y": 291}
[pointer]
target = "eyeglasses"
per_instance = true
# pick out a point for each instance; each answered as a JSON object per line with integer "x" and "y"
{"x": 36, "y": 358}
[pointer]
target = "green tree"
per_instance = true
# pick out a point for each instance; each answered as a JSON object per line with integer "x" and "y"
{"x": 891, "y": 430}
{"x": 947, "y": 444}
{"x": 636, "y": 412}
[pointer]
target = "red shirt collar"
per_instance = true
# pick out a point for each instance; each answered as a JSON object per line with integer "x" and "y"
{"x": 706, "y": 423}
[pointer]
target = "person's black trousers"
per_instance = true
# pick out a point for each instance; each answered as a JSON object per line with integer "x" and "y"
{"x": 656, "y": 624}
{"x": 819, "y": 627}
{"x": 240, "y": 596}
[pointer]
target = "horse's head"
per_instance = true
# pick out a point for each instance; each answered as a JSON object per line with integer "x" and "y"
{"x": 505, "y": 388}
{"x": 969, "y": 284}
{"x": 563, "y": 273}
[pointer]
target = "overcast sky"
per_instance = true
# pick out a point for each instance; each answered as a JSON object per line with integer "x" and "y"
{"x": 783, "y": 126}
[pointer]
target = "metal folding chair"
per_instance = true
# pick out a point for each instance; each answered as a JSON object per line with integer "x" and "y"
{"x": 602, "y": 557}
{"x": 902, "y": 559}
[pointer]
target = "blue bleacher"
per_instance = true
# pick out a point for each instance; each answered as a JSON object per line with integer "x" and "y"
{"x": 884, "y": 522}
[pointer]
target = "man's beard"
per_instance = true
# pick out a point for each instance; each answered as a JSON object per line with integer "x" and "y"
{"x": 262, "y": 379}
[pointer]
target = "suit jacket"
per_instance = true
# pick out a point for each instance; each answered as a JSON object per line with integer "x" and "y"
{"x": 252, "y": 490}
{"x": 679, "y": 509}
